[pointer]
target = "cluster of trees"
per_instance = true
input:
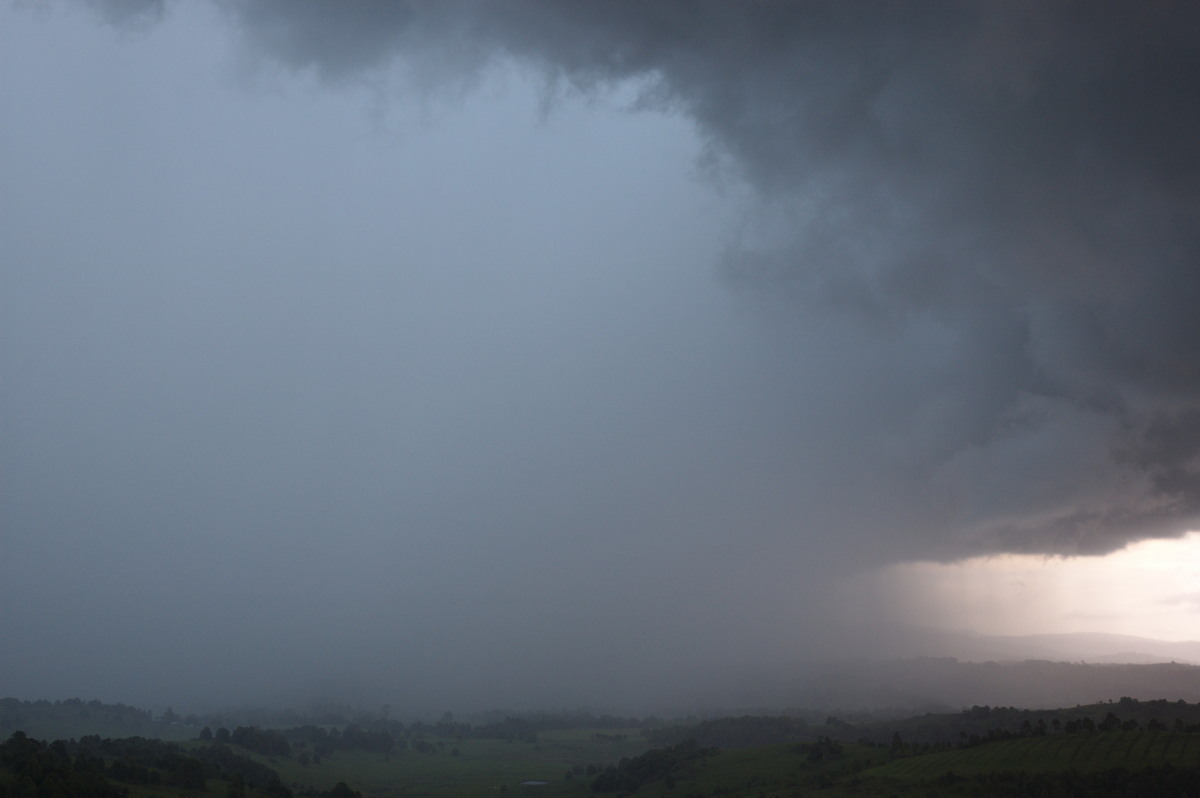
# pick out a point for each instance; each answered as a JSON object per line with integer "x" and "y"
{"x": 223, "y": 761}
{"x": 41, "y": 769}
{"x": 382, "y": 720}
{"x": 75, "y": 713}
{"x": 978, "y": 725}
{"x": 98, "y": 766}
{"x": 823, "y": 750}
{"x": 981, "y": 724}
{"x": 267, "y": 742}
{"x": 1137, "y": 714}
{"x": 1082, "y": 725}
{"x": 13, "y": 710}
{"x": 323, "y": 741}
{"x": 311, "y": 742}
{"x": 1115, "y": 783}
{"x": 660, "y": 764}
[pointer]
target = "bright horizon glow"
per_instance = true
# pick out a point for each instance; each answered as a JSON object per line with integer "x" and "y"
{"x": 1148, "y": 589}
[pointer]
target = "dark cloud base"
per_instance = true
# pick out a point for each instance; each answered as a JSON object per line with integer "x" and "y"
{"x": 1008, "y": 190}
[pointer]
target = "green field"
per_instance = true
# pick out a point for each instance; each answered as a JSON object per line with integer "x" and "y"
{"x": 490, "y": 767}
{"x": 1104, "y": 757}
{"x": 994, "y": 769}
{"x": 770, "y": 771}
{"x": 481, "y": 766}
{"x": 1132, "y": 750}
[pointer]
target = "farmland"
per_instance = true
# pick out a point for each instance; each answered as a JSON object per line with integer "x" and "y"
{"x": 1148, "y": 748}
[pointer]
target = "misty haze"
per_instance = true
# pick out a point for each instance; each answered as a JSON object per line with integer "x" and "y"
{"x": 611, "y": 356}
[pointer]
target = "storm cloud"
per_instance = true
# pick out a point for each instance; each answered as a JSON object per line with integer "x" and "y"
{"x": 657, "y": 318}
{"x": 1004, "y": 195}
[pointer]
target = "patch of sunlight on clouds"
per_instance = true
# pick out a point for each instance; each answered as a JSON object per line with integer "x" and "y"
{"x": 1148, "y": 589}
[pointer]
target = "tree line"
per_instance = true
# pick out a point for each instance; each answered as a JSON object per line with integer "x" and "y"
{"x": 91, "y": 765}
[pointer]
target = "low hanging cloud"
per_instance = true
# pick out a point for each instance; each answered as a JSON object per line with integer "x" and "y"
{"x": 1003, "y": 197}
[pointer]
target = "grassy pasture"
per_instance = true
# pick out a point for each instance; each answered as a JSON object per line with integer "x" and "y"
{"x": 216, "y": 789}
{"x": 496, "y": 767}
{"x": 492, "y": 767}
{"x": 773, "y": 771}
{"x": 482, "y": 767}
{"x": 1133, "y": 750}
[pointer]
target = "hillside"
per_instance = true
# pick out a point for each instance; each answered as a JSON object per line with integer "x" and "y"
{"x": 1125, "y": 748}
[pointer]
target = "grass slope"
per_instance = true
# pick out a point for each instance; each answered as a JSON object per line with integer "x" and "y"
{"x": 994, "y": 769}
{"x": 482, "y": 767}
{"x": 1133, "y": 750}
{"x": 770, "y": 771}
{"x": 1150, "y": 760}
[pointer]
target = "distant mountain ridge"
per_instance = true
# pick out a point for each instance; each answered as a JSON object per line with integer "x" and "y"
{"x": 1087, "y": 647}
{"x": 939, "y": 684}
{"x": 927, "y": 670}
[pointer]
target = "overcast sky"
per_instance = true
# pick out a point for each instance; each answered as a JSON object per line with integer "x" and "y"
{"x": 548, "y": 354}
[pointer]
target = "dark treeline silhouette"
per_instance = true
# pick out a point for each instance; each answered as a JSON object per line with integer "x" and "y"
{"x": 41, "y": 769}
{"x": 91, "y": 765}
{"x": 509, "y": 728}
{"x": 16, "y": 714}
{"x": 268, "y": 742}
{"x": 320, "y": 741}
{"x": 1115, "y": 783}
{"x": 974, "y": 726}
{"x": 660, "y": 764}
